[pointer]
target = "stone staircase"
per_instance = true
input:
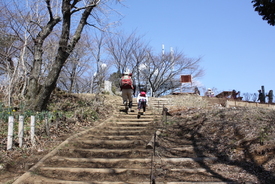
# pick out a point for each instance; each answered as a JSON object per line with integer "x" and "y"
{"x": 115, "y": 152}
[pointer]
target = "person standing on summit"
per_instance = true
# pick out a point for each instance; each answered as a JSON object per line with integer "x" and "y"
{"x": 126, "y": 86}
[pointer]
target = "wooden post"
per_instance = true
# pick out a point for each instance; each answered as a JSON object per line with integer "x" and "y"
{"x": 47, "y": 126}
{"x": 263, "y": 91}
{"x": 10, "y": 132}
{"x": 164, "y": 115}
{"x": 154, "y": 140}
{"x": 270, "y": 96}
{"x": 33, "y": 130}
{"x": 21, "y": 130}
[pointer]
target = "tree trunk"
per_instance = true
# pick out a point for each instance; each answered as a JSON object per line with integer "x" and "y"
{"x": 43, "y": 92}
{"x": 34, "y": 86}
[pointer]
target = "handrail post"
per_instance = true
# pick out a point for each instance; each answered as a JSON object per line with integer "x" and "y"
{"x": 32, "y": 130}
{"x": 21, "y": 130}
{"x": 10, "y": 132}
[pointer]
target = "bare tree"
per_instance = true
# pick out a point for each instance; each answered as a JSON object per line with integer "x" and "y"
{"x": 163, "y": 71}
{"x": 73, "y": 72}
{"x": 98, "y": 52}
{"x": 139, "y": 56}
{"x": 254, "y": 97}
{"x": 121, "y": 48}
{"x": 160, "y": 74}
{"x": 12, "y": 69}
{"x": 34, "y": 24}
{"x": 247, "y": 96}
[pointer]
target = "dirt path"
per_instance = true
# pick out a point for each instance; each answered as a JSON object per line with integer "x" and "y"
{"x": 115, "y": 152}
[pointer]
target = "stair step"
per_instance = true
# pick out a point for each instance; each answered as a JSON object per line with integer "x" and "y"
{"x": 43, "y": 180}
{"x": 134, "y": 123}
{"x": 110, "y": 137}
{"x": 119, "y": 170}
{"x": 144, "y": 119}
{"x": 102, "y": 160}
{"x": 141, "y": 160}
{"x": 128, "y": 132}
{"x": 98, "y": 170}
{"x": 113, "y": 128}
{"x": 108, "y": 150}
{"x": 121, "y": 142}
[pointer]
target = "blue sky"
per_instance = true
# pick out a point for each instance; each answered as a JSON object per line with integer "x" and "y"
{"x": 236, "y": 45}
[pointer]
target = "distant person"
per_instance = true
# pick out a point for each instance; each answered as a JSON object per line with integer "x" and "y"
{"x": 234, "y": 94}
{"x": 261, "y": 97}
{"x": 209, "y": 93}
{"x": 197, "y": 91}
{"x": 270, "y": 96}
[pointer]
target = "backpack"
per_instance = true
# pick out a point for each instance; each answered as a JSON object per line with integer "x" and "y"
{"x": 126, "y": 82}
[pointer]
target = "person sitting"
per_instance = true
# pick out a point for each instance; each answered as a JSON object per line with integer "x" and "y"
{"x": 209, "y": 93}
{"x": 197, "y": 91}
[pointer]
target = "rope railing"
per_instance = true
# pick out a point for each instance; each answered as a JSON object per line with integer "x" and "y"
{"x": 153, "y": 168}
{"x": 153, "y": 142}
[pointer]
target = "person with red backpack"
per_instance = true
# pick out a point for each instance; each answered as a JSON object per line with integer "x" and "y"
{"x": 142, "y": 101}
{"x": 126, "y": 86}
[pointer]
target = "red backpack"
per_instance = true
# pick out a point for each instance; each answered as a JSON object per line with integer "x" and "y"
{"x": 126, "y": 82}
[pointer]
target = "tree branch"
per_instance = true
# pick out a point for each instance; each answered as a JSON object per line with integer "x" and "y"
{"x": 48, "y": 2}
{"x": 92, "y": 5}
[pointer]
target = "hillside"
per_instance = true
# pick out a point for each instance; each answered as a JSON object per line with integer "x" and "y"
{"x": 70, "y": 114}
{"x": 241, "y": 138}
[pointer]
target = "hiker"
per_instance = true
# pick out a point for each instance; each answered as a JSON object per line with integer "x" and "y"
{"x": 234, "y": 94}
{"x": 261, "y": 97}
{"x": 142, "y": 101}
{"x": 126, "y": 86}
{"x": 270, "y": 96}
{"x": 209, "y": 93}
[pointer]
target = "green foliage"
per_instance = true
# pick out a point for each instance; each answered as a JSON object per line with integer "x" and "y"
{"x": 265, "y": 8}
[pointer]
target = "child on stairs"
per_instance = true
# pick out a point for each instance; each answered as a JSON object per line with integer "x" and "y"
{"x": 142, "y": 101}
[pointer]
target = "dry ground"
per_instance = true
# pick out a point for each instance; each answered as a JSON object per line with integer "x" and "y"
{"x": 243, "y": 138}
{"x": 87, "y": 110}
